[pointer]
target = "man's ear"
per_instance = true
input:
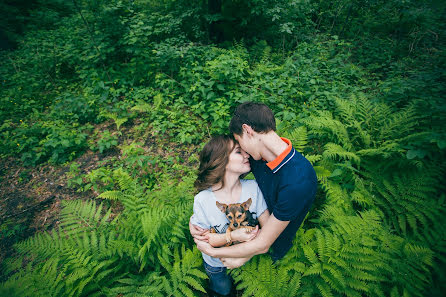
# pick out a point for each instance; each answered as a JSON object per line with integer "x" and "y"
{"x": 221, "y": 206}
{"x": 248, "y": 129}
{"x": 246, "y": 204}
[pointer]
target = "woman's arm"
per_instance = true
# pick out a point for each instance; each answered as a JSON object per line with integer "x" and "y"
{"x": 259, "y": 245}
{"x": 216, "y": 239}
{"x": 263, "y": 218}
{"x": 198, "y": 232}
{"x": 239, "y": 235}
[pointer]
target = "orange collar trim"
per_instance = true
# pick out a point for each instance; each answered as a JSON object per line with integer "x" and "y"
{"x": 273, "y": 164}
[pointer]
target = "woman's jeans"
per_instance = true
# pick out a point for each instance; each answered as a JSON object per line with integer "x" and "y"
{"x": 219, "y": 280}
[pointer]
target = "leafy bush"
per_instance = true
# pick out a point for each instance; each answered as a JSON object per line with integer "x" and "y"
{"x": 105, "y": 142}
{"x": 51, "y": 141}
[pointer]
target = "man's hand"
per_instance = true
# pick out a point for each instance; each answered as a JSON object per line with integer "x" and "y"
{"x": 198, "y": 233}
{"x": 242, "y": 235}
{"x": 204, "y": 247}
{"x": 232, "y": 263}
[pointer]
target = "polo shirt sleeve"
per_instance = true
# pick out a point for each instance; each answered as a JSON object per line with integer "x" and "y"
{"x": 293, "y": 201}
{"x": 198, "y": 218}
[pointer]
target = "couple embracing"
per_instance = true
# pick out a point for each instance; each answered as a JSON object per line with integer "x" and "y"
{"x": 279, "y": 198}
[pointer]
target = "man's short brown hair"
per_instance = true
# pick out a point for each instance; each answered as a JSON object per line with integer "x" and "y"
{"x": 257, "y": 115}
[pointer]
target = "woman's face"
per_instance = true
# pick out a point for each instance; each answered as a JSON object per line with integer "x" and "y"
{"x": 238, "y": 161}
{"x": 249, "y": 144}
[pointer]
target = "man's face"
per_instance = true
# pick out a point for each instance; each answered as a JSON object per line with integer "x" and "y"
{"x": 247, "y": 144}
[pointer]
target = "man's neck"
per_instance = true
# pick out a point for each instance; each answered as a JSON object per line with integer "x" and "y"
{"x": 271, "y": 146}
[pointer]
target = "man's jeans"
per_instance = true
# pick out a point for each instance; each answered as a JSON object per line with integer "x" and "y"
{"x": 219, "y": 280}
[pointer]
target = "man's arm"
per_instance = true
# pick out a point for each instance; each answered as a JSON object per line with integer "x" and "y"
{"x": 260, "y": 245}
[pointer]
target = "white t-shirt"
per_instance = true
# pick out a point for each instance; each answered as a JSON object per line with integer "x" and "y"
{"x": 207, "y": 214}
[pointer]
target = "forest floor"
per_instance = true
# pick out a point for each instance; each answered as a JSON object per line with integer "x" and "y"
{"x": 30, "y": 197}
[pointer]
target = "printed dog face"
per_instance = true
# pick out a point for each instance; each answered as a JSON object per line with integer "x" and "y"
{"x": 236, "y": 213}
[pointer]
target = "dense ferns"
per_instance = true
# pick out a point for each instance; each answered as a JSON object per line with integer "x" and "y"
{"x": 377, "y": 228}
{"x": 140, "y": 252}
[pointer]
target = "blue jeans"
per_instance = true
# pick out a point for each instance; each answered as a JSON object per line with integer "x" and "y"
{"x": 219, "y": 280}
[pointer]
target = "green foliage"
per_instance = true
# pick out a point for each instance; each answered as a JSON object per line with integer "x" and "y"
{"x": 93, "y": 254}
{"x": 99, "y": 179}
{"x": 114, "y": 117}
{"x": 74, "y": 177}
{"x": 9, "y": 230}
{"x": 60, "y": 144}
{"x": 71, "y": 108}
{"x": 84, "y": 216}
{"x": 358, "y": 87}
{"x": 260, "y": 277}
{"x": 105, "y": 142}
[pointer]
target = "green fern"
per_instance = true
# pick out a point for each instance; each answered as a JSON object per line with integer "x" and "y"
{"x": 114, "y": 116}
{"x": 78, "y": 216}
{"x": 333, "y": 151}
{"x": 297, "y": 136}
{"x": 324, "y": 124}
{"x": 143, "y": 107}
{"x": 260, "y": 277}
{"x": 408, "y": 201}
{"x": 149, "y": 284}
{"x": 184, "y": 274}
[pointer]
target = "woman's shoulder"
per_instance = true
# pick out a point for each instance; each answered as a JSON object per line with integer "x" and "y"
{"x": 249, "y": 182}
{"x": 203, "y": 195}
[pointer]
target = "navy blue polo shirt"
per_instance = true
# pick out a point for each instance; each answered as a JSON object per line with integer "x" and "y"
{"x": 289, "y": 186}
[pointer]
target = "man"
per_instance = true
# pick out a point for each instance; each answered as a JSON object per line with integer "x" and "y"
{"x": 287, "y": 180}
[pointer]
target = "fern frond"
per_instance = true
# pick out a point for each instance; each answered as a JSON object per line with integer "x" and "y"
{"x": 260, "y": 277}
{"x": 183, "y": 273}
{"x": 124, "y": 179}
{"x": 325, "y": 125}
{"x": 111, "y": 195}
{"x": 114, "y": 116}
{"x": 399, "y": 124}
{"x": 332, "y": 151}
{"x": 142, "y": 107}
{"x": 77, "y": 216}
{"x": 298, "y": 137}
{"x": 408, "y": 200}
{"x": 313, "y": 158}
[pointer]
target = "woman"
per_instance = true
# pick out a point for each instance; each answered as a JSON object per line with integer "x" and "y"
{"x": 222, "y": 162}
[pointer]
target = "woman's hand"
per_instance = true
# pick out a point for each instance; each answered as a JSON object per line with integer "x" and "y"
{"x": 242, "y": 235}
{"x": 232, "y": 263}
{"x": 198, "y": 233}
{"x": 204, "y": 247}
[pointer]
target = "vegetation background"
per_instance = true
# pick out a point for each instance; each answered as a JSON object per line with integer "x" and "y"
{"x": 104, "y": 106}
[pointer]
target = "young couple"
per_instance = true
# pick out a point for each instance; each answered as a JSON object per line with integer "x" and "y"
{"x": 281, "y": 196}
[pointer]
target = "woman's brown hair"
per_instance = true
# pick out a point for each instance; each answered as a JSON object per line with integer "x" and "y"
{"x": 213, "y": 160}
